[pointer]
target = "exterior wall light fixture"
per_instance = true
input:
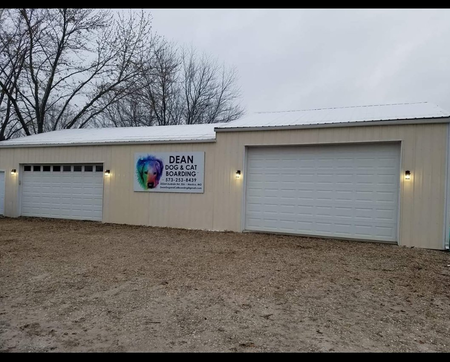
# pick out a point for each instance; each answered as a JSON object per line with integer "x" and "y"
{"x": 407, "y": 175}
{"x": 13, "y": 171}
{"x": 107, "y": 173}
{"x": 238, "y": 174}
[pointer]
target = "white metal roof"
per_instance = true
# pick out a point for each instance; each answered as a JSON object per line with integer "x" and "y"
{"x": 178, "y": 133}
{"x": 342, "y": 115}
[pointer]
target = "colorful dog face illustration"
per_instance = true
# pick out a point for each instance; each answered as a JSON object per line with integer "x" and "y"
{"x": 149, "y": 171}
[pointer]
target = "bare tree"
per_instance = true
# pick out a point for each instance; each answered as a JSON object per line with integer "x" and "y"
{"x": 177, "y": 87}
{"x": 12, "y": 58}
{"x": 128, "y": 112}
{"x": 154, "y": 99}
{"x": 160, "y": 86}
{"x": 72, "y": 61}
{"x": 209, "y": 91}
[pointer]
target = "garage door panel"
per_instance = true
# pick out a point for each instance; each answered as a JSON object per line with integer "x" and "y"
{"x": 289, "y": 178}
{"x": 389, "y": 196}
{"x": 271, "y": 208}
{"x": 323, "y": 195}
{"x": 269, "y": 192}
{"x": 305, "y": 211}
{"x": 306, "y": 178}
{"x": 324, "y": 211}
{"x": 320, "y": 227}
{"x": 386, "y": 231}
{"x": 346, "y": 190}
{"x": 342, "y": 228}
{"x": 255, "y": 193}
{"x": 287, "y": 193}
{"x": 287, "y": 209}
{"x": 271, "y": 223}
{"x": 288, "y": 226}
{"x": 344, "y": 163}
{"x": 384, "y": 214}
{"x": 363, "y": 213}
{"x": 57, "y": 194}
{"x": 366, "y": 178}
{"x": 268, "y": 177}
{"x": 343, "y": 195}
{"x": 365, "y": 196}
{"x": 325, "y": 227}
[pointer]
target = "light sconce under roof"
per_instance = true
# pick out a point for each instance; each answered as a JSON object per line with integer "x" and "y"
{"x": 407, "y": 175}
{"x": 107, "y": 173}
{"x": 13, "y": 171}
{"x": 238, "y": 174}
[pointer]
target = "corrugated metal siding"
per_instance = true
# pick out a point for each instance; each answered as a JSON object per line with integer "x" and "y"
{"x": 423, "y": 150}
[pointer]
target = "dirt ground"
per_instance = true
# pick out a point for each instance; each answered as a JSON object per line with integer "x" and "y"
{"x": 86, "y": 286}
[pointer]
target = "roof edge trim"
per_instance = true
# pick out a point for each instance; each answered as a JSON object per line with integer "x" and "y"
{"x": 119, "y": 143}
{"x": 409, "y": 121}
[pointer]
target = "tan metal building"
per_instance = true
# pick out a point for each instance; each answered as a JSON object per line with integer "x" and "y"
{"x": 374, "y": 173}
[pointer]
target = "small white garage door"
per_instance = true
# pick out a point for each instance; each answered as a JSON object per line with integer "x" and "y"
{"x": 2, "y": 192}
{"x": 348, "y": 191}
{"x": 63, "y": 191}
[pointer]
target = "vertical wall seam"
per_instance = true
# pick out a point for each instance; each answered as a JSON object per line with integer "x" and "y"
{"x": 212, "y": 181}
{"x": 446, "y": 231}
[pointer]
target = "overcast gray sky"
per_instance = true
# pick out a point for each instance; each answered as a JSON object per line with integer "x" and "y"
{"x": 290, "y": 59}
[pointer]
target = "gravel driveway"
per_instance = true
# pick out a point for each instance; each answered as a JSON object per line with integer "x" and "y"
{"x": 86, "y": 286}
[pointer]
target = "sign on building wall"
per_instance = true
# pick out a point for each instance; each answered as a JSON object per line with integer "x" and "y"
{"x": 169, "y": 172}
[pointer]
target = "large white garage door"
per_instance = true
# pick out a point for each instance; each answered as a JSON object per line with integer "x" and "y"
{"x": 2, "y": 192}
{"x": 63, "y": 191}
{"x": 348, "y": 191}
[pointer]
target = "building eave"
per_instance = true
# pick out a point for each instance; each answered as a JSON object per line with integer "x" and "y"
{"x": 119, "y": 143}
{"x": 393, "y": 122}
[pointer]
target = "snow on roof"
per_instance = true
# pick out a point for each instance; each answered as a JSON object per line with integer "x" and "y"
{"x": 178, "y": 133}
{"x": 344, "y": 115}
{"x": 206, "y": 132}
